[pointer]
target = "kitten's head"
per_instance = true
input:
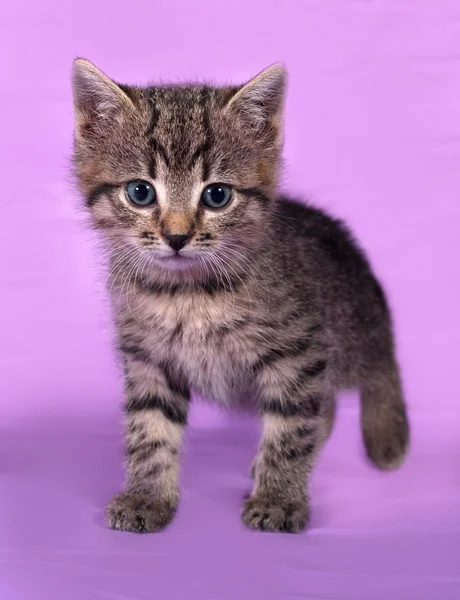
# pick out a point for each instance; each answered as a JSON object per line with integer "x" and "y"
{"x": 182, "y": 175}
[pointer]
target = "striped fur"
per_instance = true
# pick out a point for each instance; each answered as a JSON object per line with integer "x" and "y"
{"x": 274, "y": 297}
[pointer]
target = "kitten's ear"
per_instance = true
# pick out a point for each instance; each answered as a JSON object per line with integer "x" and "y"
{"x": 97, "y": 99}
{"x": 262, "y": 99}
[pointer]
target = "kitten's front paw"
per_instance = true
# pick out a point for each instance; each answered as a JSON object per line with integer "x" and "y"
{"x": 264, "y": 514}
{"x": 138, "y": 512}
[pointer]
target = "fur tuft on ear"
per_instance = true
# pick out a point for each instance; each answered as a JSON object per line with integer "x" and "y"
{"x": 96, "y": 97}
{"x": 261, "y": 99}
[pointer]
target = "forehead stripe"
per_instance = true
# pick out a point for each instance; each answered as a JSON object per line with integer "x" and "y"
{"x": 204, "y": 103}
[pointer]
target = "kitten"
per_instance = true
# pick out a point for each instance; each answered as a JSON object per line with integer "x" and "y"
{"x": 221, "y": 286}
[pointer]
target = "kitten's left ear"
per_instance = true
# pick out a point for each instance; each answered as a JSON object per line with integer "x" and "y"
{"x": 261, "y": 100}
{"x": 98, "y": 100}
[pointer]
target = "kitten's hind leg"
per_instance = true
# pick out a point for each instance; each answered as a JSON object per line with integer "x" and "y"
{"x": 384, "y": 422}
{"x": 330, "y": 410}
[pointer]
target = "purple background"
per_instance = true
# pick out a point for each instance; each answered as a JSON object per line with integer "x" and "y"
{"x": 373, "y": 134}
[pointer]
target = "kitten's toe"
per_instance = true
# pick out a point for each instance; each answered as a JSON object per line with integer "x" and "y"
{"x": 264, "y": 514}
{"x": 138, "y": 512}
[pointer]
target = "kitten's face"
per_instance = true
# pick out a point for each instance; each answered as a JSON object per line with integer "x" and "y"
{"x": 183, "y": 176}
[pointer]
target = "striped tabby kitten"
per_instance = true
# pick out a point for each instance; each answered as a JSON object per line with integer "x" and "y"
{"x": 221, "y": 286}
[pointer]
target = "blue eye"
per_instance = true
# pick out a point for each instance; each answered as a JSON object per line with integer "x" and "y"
{"x": 141, "y": 193}
{"x": 216, "y": 195}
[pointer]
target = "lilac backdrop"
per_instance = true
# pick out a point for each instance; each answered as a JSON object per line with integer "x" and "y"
{"x": 373, "y": 134}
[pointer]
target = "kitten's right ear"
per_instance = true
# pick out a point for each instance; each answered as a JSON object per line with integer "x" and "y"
{"x": 261, "y": 99}
{"x": 97, "y": 99}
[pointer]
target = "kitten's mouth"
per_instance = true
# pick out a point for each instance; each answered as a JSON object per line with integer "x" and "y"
{"x": 177, "y": 256}
{"x": 177, "y": 261}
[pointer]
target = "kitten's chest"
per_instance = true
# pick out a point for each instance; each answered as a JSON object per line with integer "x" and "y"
{"x": 213, "y": 342}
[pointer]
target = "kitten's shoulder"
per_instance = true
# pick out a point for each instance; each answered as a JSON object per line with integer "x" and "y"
{"x": 306, "y": 218}
{"x": 303, "y": 213}
{"x": 312, "y": 223}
